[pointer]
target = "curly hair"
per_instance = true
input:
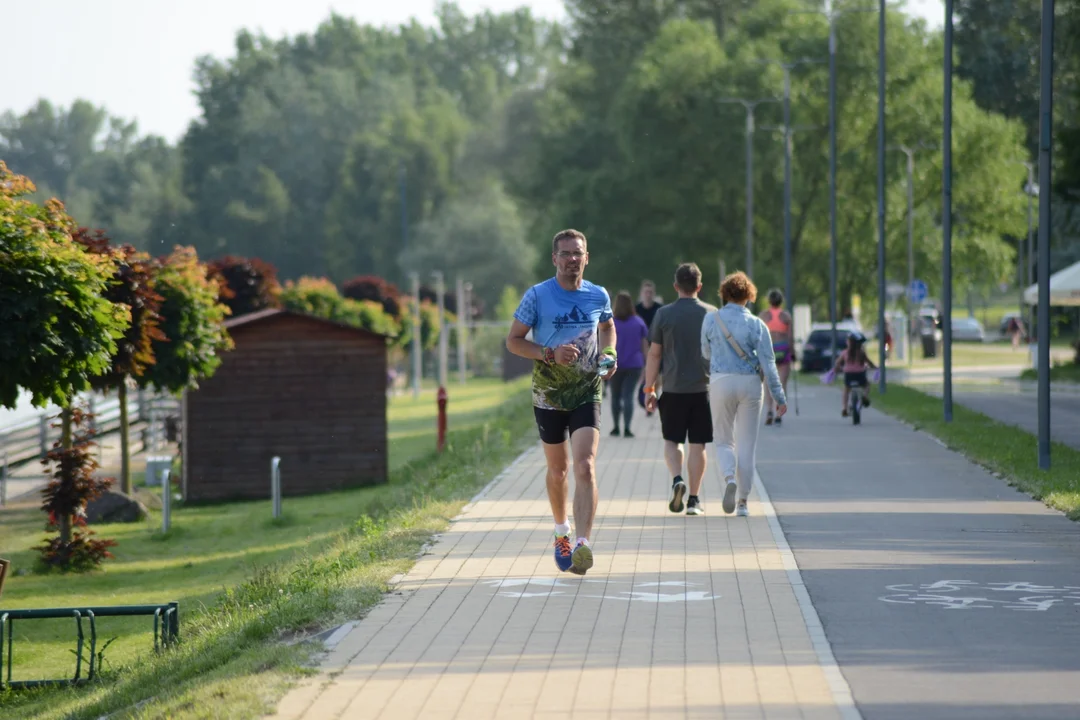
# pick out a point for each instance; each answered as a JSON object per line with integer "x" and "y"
{"x": 738, "y": 288}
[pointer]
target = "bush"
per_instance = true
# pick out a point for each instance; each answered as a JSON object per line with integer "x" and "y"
{"x": 377, "y": 289}
{"x": 247, "y": 284}
{"x": 320, "y": 297}
{"x": 66, "y": 497}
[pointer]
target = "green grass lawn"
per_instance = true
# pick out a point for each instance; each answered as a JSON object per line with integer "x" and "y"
{"x": 974, "y": 355}
{"x": 1062, "y": 372}
{"x": 1003, "y": 449}
{"x": 243, "y": 579}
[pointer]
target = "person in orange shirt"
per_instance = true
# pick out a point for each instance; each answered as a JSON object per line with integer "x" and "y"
{"x": 779, "y": 323}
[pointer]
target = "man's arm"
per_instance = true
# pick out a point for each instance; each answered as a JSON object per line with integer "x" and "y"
{"x": 652, "y": 364}
{"x": 517, "y": 344}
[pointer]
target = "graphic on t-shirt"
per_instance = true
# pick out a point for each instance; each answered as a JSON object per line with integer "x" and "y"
{"x": 566, "y": 317}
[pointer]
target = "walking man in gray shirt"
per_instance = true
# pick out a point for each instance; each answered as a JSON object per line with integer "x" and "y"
{"x": 685, "y": 415}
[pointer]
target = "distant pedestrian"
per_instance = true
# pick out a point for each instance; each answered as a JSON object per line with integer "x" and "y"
{"x": 631, "y": 346}
{"x": 740, "y": 353}
{"x": 685, "y": 418}
{"x": 778, "y": 320}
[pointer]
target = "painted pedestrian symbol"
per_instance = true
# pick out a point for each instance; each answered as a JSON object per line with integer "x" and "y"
{"x": 670, "y": 591}
{"x": 969, "y": 595}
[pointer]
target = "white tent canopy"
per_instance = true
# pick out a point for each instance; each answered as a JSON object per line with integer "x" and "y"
{"x": 1064, "y": 288}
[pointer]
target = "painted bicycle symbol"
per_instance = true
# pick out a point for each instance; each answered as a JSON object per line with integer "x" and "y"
{"x": 969, "y": 595}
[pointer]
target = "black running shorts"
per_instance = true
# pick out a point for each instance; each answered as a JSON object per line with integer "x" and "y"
{"x": 686, "y": 417}
{"x": 554, "y": 425}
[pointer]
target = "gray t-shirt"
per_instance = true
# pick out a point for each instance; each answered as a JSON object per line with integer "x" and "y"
{"x": 677, "y": 327}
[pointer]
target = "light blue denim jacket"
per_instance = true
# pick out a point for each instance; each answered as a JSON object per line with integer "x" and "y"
{"x": 753, "y": 337}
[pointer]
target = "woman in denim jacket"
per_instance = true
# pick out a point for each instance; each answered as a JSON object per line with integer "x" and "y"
{"x": 735, "y": 385}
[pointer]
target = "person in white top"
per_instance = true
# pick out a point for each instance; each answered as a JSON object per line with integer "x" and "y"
{"x": 740, "y": 353}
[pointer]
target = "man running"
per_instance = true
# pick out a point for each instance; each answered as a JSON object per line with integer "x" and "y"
{"x": 573, "y": 346}
{"x": 685, "y": 415}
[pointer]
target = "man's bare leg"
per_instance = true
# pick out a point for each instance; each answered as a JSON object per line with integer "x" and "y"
{"x": 558, "y": 464}
{"x": 673, "y": 456}
{"x": 696, "y": 460}
{"x": 583, "y": 445}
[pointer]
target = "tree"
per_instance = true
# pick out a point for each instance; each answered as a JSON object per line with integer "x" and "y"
{"x": 247, "y": 284}
{"x": 480, "y": 237}
{"x": 57, "y": 328}
{"x": 65, "y": 498}
{"x": 192, "y": 319}
{"x": 132, "y": 286}
{"x": 320, "y": 297}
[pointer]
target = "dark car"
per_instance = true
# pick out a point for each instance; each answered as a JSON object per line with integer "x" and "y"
{"x": 817, "y": 352}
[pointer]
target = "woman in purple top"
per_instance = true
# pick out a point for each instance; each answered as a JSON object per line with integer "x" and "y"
{"x": 631, "y": 347}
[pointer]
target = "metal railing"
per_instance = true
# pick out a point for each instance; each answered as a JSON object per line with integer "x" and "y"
{"x": 166, "y": 633}
{"x": 32, "y": 439}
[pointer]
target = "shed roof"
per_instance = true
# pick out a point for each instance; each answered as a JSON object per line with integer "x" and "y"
{"x": 268, "y": 313}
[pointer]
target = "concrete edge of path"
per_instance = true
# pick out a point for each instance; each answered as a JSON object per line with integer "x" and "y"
{"x": 838, "y": 684}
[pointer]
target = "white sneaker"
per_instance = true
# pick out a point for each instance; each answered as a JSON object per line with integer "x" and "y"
{"x": 742, "y": 510}
{"x": 729, "y": 496}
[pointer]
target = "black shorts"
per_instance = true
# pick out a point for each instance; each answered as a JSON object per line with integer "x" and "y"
{"x": 686, "y": 417}
{"x": 856, "y": 379}
{"x": 554, "y": 425}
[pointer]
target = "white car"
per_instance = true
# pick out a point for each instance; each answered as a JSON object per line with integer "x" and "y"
{"x": 968, "y": 329}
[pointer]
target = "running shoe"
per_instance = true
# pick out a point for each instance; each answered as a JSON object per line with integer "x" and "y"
{"x": 678, "y": 491}
{"x": 581, "y": 559}
{"x": 694, "y": 506}
{"x": 742, "y": 510}
{"x": 563, "y": 552}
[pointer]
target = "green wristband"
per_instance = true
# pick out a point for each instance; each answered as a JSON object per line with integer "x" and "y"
{"x": 610, "y": 351}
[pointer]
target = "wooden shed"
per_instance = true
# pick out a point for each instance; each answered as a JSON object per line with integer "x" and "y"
{"x": 308, "y": 390}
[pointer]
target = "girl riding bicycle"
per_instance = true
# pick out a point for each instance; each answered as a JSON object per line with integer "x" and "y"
{"x": 854, "y": 362}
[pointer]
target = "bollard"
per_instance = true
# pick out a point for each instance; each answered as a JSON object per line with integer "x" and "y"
{"x": 442, "y": 419}
{"x": 275, "y": 485}
{"x": 166, "y": 501}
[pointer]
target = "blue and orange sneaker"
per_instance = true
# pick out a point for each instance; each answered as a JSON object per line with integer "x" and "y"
{"x": 563, "y": 552}
{"x": 582, "y": 559}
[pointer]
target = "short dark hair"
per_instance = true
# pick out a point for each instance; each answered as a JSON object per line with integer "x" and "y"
{"x": 569, "y": 234}
{"x": 776, "y": 298}
{"x": 688, "y": 277}
{"x": 737, "y": 287}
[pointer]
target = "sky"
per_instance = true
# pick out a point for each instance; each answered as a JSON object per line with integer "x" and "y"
{"x": 136, "y": 57}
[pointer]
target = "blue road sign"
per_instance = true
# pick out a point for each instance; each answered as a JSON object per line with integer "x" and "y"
{"x": 917, "y": 291}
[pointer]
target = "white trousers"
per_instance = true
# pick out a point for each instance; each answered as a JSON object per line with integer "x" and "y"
{"x": 736, "y": 402}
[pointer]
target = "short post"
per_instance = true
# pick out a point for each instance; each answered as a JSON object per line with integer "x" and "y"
{"x": 442, "y": 419}
{"x": 3, "y": 480}
{"x": 275, "y": 485}
{"x": 166, "y": 501}
{"x": 174, "y": 622}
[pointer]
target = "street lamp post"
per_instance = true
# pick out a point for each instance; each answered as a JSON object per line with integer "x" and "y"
{"x": 832, "y": 15}
{"x": 946, "y": 219}
{"x": 414, "y": 278}
{"x": 788, "y": 132}
{"x": 881, "y": 191}
{"x": 1046, "y": 133}
{"x": 750, "y": 105}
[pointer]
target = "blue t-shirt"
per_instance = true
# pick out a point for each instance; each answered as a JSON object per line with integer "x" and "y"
{"x": 566, "y": 317}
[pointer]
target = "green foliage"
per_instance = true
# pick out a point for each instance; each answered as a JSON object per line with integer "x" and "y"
{"x": 508, "y": 303}
{"x": 133, "y": 287}
{"x": 320, "y": 297}
{"x": 192, "y": 320}
{"x": 57, "y": 329}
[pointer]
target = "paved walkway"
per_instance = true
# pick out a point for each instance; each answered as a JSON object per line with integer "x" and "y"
{"x": 680, "y": 616}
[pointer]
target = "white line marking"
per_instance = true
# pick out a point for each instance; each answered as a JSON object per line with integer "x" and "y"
{"x": 841, "y": 691}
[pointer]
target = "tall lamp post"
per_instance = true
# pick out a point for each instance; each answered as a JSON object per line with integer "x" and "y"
{"x": 788, "y": 132}
{"x": 1046, "y": 134}
{"x": 750, "y": 105}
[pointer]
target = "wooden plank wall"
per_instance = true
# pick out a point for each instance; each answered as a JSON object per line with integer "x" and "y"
{"x": 309, "y": 392}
